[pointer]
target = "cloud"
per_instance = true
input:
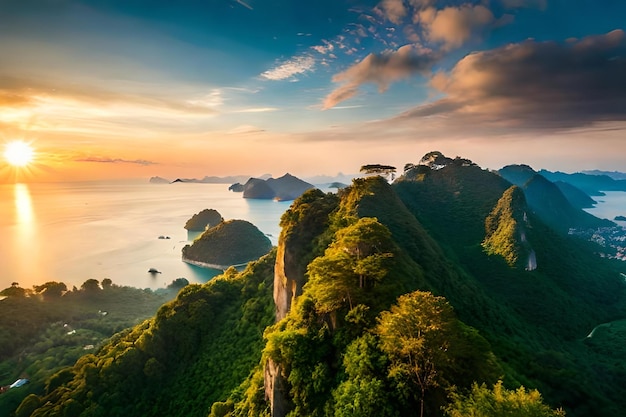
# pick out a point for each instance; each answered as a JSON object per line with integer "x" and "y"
{"x": 116, "y": 161}
{"x": 324, "y": 49}
{"x": 394, "y": 10}
{"x": 257, "y": 110}
{"x": 445, "y": 26}
{"x": 210, "y": 100}
{"x": 297, "y": 65}
{"x": 245, "y": 130}
{"x": 381, "y": 69}
{"x": 534, "y": 86}
{"x": 453, "y": 26}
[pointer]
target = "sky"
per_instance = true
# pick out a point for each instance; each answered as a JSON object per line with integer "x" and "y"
{"x": 138, "y": 88}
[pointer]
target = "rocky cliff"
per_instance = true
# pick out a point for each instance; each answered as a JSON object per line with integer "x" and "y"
{"x": 303, "y": 225}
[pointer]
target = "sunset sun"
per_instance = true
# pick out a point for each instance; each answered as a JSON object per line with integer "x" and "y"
{"x": 18, "y": 153}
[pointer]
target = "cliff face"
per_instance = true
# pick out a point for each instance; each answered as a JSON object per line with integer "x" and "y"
{"x": 288, "y": 281}
{"x": 302, "y": 226}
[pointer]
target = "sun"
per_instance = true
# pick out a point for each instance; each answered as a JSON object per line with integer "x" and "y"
{"x": 18, "y": 153}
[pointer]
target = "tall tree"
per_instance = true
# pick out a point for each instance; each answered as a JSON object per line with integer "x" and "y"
{"x": 355, "y": 262}
{"x": 415, "y": 336}
{"x": 385, "y": 171}
{"x": 51, "y": 289}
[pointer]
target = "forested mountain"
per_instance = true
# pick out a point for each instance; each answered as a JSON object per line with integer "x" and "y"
{"x": 550, "y": 201}
{"x": 413, "y": 298}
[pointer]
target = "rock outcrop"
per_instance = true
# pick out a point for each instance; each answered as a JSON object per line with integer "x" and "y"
{"x": 284, "y": 188}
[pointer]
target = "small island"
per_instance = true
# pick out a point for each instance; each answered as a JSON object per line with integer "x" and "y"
{"x": 284, "y": 188}
{"x": 230, "y": 243}
{"x": 620, "y": 218}
{"x": 236, "y": 187}
{"x": 207, "y": 218}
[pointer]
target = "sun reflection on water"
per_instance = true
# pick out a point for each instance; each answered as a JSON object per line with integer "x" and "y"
{"x": 26, "y": 245}
{"x": 23, "y": 206}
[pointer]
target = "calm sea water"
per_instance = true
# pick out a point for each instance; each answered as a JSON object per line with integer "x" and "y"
{"x": 609, "y": 206}
{"x": 72, "y": 232}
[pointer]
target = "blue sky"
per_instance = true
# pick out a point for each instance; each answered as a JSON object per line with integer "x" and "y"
{"x": 217, "y": 87}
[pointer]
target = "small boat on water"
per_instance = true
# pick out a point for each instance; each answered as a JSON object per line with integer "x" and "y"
{"x": 153, "y": 271}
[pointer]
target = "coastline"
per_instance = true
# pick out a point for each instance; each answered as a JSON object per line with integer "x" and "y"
{"x": 207, "y": 265}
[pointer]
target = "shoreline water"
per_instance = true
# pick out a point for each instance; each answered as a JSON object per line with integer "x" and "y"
{"x": 609, "y": 206}
{"x": 72, "y": 232}
{"x": 216, "y": 267}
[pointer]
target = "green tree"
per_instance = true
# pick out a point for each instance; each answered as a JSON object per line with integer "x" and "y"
{"x": 415, "y": 336}
{"x": 51, "y": 289}
{"x": 91, "y": 285}
{"x": 14, "y": 291}
{"x": 364, "y": 393}
{"x": 30, "y": 404}
{"x": 499, "y": 402}
{"x": 355, "y": 262}
{"x": 385, "y": 171}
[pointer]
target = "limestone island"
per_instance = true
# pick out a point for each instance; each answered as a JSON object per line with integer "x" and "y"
{"x": 284, "y": 188}
{"x": 236, "y": 187}
{"x": 158, "y": 180}
{"x": 206, "y": 219}
{"x": 230, "y": 243}
{"x": 620, "y": 218}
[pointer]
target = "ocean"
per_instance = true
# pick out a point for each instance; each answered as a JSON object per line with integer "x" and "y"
{"x": 610, "y": 205}
{"x": 72, "y": 232}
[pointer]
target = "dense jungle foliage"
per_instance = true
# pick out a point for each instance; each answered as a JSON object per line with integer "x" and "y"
{"x": 48, "y": 328}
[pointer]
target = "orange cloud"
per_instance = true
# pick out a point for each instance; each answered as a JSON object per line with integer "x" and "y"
{"x": 453, "y": 26}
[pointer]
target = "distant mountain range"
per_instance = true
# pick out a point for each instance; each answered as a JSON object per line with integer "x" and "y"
{"x": 232, "y": 179}
{"x": 616, "y": 175}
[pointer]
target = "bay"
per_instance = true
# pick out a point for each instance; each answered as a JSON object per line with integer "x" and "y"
{"x": 72, "y": 232}
{"x": 609, "y": 206}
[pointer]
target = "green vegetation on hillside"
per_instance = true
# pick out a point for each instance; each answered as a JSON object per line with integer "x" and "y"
{"x": 232, "y": 242}
{"x": 195, "y": 350}
{"x": 504, "y": 228}
{"x": 207, "y": 218}
{"x": 48, "y": 328}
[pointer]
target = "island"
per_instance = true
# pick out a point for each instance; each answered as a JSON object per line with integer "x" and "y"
{"x": 230, "y": 243}
{"x": 284, "y": 188}
{"x": 620, "y": 218}
{"x": 236, "y": 187}
{"x": 207, "y": 218}
{"x": 158, "y": 180}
